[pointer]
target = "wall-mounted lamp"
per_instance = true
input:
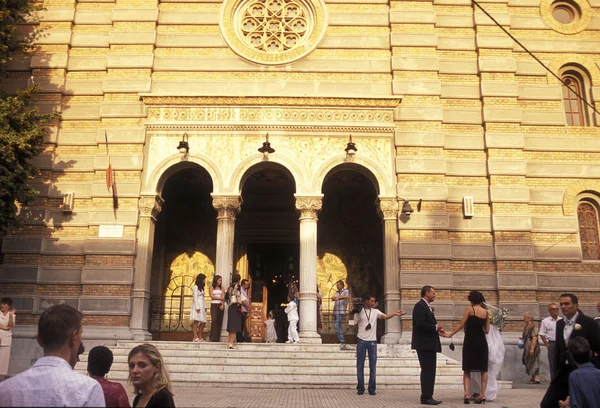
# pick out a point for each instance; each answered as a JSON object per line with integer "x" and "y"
{"x": 266, "y": 148}
{"x": 350, "y": 149}
{"x": 407, "y": 209}
{"x": 184, "y": 146}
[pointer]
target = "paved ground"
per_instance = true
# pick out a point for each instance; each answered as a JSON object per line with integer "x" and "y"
{"x": 336, "y": 398}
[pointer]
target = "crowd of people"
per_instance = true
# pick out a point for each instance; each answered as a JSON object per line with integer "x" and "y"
{"x": 53, "y": 382}
{"x": 573, "y": 344}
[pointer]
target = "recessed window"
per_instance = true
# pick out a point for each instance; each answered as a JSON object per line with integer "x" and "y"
{"x": 587, "y": 216}
{"x": 565, "y": 12}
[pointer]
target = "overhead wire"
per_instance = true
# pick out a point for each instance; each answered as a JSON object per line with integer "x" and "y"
{"x": 536, "y": 58}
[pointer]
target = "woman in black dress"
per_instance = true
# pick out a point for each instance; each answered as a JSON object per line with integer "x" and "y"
{"x": 476, "y": 323}
{"x": 234, "y": 311}
{"x": 150, "y": 378}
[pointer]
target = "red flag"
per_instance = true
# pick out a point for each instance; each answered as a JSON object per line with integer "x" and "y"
{"x": 109, "y": 171}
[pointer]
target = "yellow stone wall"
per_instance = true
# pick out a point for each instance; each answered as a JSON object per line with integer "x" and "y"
{"x": 478, "y": 117}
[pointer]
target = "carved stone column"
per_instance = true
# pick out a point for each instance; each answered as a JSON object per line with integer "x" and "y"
{"x": 149, "y": 207}
{"x": 308, "y": 207}
{"x": 227, "y": 208}
{"x": 391, "y": 279}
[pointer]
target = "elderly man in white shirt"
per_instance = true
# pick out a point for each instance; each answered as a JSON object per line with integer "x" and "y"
{"x": 51, "y": 382}
{"x": 548, "y": 335}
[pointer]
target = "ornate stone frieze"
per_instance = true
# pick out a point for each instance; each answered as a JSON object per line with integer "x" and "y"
{"x": 309, "y": 207}
{"x": 307, "y": 295}
{"x": 389, "y": 208}
{"x": 150, "y": 206}
{"x": 260, "y": 114}
{"x": 260, "y": 101}
{"x": 227, "y": 207}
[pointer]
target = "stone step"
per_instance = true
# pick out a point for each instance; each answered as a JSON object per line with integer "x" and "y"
{"x": 260, "y": 365}
{"x": 267, "y": 370}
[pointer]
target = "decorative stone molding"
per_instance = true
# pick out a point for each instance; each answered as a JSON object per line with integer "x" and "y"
{"x": 309, "y": 207}
{"x": 150, "y": 206}
{"x": 388, "y": 208}
{"x": 227, "y": 207}
{"x": 383, "y": 102}
{"x": 574, "y": 190}
{"x": 260, "y": 114}
{"x": 307, "y": 295}
{"x": 584, "y": 19}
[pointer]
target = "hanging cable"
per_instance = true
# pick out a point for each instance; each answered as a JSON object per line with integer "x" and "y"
{"x": 536, "y": 58}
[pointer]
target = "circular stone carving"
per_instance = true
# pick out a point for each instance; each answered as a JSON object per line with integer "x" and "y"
{"x": 273, "y": 32}
{"x": 580, "y": 15}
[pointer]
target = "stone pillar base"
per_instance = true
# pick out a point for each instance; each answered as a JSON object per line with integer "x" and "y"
{"x": 310, "y": 337}
{"x": 391, "y": 338}
{"x": 143, "y": 335}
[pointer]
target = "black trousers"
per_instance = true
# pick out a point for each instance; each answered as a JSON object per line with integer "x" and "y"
{"x": 428, "y": 363}
{"x": 557, "y": 391}
{"x": 240, "y": 336}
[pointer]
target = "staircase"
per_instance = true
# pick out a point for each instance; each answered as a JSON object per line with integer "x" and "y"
{"x": 284, "y": 366}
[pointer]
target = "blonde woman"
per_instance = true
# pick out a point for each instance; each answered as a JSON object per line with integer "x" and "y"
{"x": 531, "y": 351}
{"x": 150, "y": 378}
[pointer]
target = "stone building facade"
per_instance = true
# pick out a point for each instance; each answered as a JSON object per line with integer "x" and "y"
{"x": 498, "y": 159}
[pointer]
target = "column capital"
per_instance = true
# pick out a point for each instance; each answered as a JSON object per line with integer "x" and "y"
{"x": 310, "y": 206}
{"x": 388, "y": 208}
{"x": 150, "y": 206}
{"x": 227, "y": 206}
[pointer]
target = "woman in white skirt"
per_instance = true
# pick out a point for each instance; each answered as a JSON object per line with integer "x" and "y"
{"x": 198, "y": 312}
{"x": 7, "y": 322}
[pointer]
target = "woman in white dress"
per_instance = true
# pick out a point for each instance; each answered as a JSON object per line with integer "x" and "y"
{"x": 7, "y": 322}
{"x": 198, "y": 312}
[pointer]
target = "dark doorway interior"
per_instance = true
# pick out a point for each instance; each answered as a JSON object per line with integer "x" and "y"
{"x": 274, "y": 270}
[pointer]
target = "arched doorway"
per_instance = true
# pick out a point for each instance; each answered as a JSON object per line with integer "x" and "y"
{"x": 184, "y": 246}
{"x": 350, "y": 241}
{"x": 266, "y": 236}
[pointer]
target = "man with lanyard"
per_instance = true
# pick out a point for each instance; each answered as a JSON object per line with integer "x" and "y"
{"x": 548, "y": 335}
{"x": 340, "y": 305}
{"x": 366, "y": 320}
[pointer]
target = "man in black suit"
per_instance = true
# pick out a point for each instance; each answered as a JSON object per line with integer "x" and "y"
{"x": 575, "y": 324}
{"x": 426, "y": 340}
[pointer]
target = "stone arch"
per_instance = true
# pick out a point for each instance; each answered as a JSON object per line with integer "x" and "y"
{"x": 584, "y": 62}
{"x": 241, "y": 171}
{"x": 365, "y": 166}
{"x": 574, "y": 190}
{"x": 156, "y": 181}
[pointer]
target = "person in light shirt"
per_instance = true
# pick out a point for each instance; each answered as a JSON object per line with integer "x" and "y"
{"x": 366, "y": 320}
{"x": 548, "y": 335}
{"x": 51, "y": 382}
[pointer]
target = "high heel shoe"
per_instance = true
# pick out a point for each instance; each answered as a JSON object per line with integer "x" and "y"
{"x": 480, "y": 400}
{"x": 467, "y": 400}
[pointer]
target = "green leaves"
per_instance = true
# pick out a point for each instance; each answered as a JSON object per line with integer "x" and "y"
{"x": 21, "y": 139}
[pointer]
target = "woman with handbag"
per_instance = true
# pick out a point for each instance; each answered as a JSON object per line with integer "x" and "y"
{"x": 531, "y": 349}
{"x": 233, "y": 298}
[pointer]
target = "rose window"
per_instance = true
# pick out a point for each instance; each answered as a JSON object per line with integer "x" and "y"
{"x": 273, "y": 31}
{"x": 274, "y": 26}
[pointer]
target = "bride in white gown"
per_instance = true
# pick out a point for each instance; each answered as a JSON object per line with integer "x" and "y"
{"x": 495, "y": 356}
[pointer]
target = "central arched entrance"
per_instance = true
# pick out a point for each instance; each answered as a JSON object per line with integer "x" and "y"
{"x": 266, "y": 236}
{"x": 350, "y": 242}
